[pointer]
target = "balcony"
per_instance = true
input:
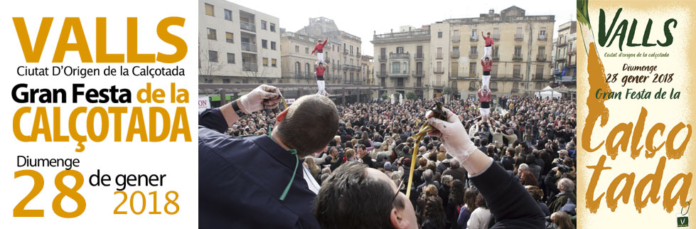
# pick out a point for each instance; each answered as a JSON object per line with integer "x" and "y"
{"x": 419, "y": 56}
{"x": 345, "y": 52}
{"x": 439, "y": 70}
{"x": 561, "y": 58}
{"x": 408, "y": 36}
{"x": 496, "y": 37}
{"x": 247, "y": 26}
{"x": 494, "y": 88}
{"x": 382, "y": 58}
{"x": 496, "y": 57}
{"x": 473, "y": 38}
{"x": 399, "y": 85}
{"x": 473, "y": 55}
{"x": 539, "y": 77}
{"x": 381, "y": 74}
{"x": 418, "y": 84}
{"x": 506, "y": 77}
{"x": 250, "y": 47}
{"x": 515, "y": 90}
{"x": 517, "y": 58}
{"x": 399, "y": 74}
{"x": 418, "y": 73}
{"x": 541, "y": 58}
{"x": 455, "y": 54}
{"x": 519, "y": 37}
{"x": 565, "y": 79}
{"x": 542, "y": 37}
{"x": 562, "y": 43}
{"x": 455, "y": 39}
{"x": 358, "y": 54}
{"x": 399, "y": 56}
{"x": 250, "y": 67}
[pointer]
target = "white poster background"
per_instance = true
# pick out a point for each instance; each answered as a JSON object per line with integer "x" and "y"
{"x": 178, "y": 160}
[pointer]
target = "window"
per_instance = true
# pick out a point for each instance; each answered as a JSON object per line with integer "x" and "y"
{"x": 297, "y": 48}
{"x": 439, "y": 52}
{"x": 519, "y": 30}
{"x": 456, "y": 35}
{"x": 273, "y": 27}
{"x": 298, "y": 70}
{"x": 273, "y": 45}
{"x": 212, "y": 56}
{"x": 473, "y": 50}
{"x": 495, "y": 51}
{"x": 472, "y": 84}
{"x": 518, "y": 51}
{"x": 439, "y": 34}
{"x": 496, "y": 34}
{"x": 538, "y": 86}
{"x": 540, "y": 71}
{"x": 306, "y": 50}
{"x": 209, "y": 10}
{"x": 396, "y": 67}
{"x": 494, "y": 71}
{"x": 265, "y": 62}
{"x": 264, "y": 44}
{"x": 274, "y": 63}
{"x": 225, "y": 80}
{"x": 263, "y": 24}
{"x": 542, "y": 50}
{"x": 473, "y": 34}
{"x": 212, "y": 34}
{"x": 229, "y": 37}
{"x": 230, "y": 58}
{"x": 228, "y": 15}
{"x": 455, "y": 49}
{"x": 399, "y": 49}
{"x": 542, "y": 32}
{"x": 516, "y": 71}
{"x": 472, "y": 68}
{"x": 307, "y": 68}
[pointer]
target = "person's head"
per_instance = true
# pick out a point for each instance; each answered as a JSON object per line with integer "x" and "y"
{"x": 523, "y": 167}
{"x": 481, "y": 202}
{"x": 350, "y": 154}
{"x": 527, "y": 178}
{"x": 442, "y": 148}
{"x": 454, "y": 164}
{"x": 361, "y": 150}
{"x": 470, "y": 199}
{"x": 430, "y": 190}
{"x": 319, "y": 41}
{"x": 487, "y": 60}
{"x": 308, "y": 125}
{"x": 333, "y": 152}
{"x": 510, "y": 152}
{"x": 446, "y": 180}
{"x": 457, "y": 191}
{"x": 422, "y": 162}
{"x": 342, "y": 199}
{"x": 562, "y": 154}
{"x": 530, "y": 160}
{"x": 535, "y": 191}
{"x": 489, "y": 34}
{"x": 565, "y": 184}
{"x": 562, "y": 220}
{"x": 428, "y": 176}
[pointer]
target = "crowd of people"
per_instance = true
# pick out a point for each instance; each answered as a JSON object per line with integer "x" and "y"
{"x": 532, "y": 138}
{"x": 321, "y": 165}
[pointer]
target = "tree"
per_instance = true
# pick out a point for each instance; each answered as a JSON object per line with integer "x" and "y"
{"x": 410, "y": 95}
{"x": 385, "y": 96}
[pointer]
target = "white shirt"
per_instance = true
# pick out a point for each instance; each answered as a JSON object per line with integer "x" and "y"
{"x": 479, "y": 219}
{"x": 311, "y": 183}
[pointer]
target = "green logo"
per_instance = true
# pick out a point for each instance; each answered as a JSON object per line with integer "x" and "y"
{"x": 683, "y": 221}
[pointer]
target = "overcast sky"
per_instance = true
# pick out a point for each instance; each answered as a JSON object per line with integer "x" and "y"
{"x": 363, "y": 17}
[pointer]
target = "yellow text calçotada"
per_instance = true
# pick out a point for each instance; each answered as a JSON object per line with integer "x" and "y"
{"x": 171, "y": 128}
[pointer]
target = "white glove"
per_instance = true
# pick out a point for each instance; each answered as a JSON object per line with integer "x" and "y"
{"x": 453, "y": 135}
{"x": 263, "y": 96}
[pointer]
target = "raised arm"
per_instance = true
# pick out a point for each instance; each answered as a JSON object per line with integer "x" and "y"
{"x": 220, "y": 119}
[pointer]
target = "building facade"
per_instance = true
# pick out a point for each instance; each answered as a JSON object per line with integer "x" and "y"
{"x": 237, "y": 44}
{"x": 449, "y": 54}
{"x": 566, "y": 55}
